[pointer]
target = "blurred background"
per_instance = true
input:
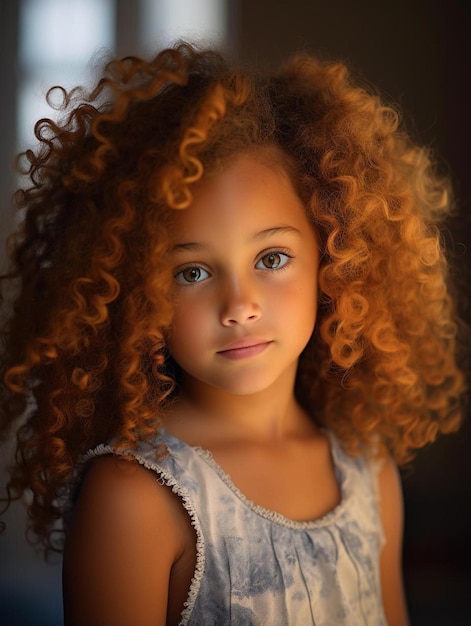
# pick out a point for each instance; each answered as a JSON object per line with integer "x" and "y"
{"x": 417, "y": 52}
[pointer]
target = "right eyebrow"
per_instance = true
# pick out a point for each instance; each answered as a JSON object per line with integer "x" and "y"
{"x": 190, "y": 245}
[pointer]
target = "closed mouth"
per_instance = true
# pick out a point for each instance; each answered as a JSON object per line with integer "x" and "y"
{"x": 244, "y": 348}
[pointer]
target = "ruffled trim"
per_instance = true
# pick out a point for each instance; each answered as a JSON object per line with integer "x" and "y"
{"x": 344, "y": 472}
{"x": 165, "y": 479}
{"x": 343, "y": 477}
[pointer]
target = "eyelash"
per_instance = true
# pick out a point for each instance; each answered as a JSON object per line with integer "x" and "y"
{"x": 275, "y": 252}
{"x": 187, "y": 268}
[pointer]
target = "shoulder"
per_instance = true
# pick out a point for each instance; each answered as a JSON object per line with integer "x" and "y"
{"x": 119, "y": 489}
{"x": 390, "y": 494}
{"x": 126, "y": 533}
{"x": 392, "y": 514}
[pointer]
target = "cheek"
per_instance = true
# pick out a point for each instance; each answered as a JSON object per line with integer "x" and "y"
{"x": 307, "y": 307}
{"x": 294, "y": 312}
{"x": 305, "y": 300}
{"x": 303, "y": 291}
{"x": 190, "y": 320}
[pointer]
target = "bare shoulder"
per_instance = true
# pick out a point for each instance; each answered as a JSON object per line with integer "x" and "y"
{"x": 126, "y": 494}
{"x": 126, "y": 534}
{"x": 389, "y": 478}
{"x": 392, "y": 519}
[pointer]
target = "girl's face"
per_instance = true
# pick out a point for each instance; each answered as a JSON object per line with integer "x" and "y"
{"x": 245, "y": 261}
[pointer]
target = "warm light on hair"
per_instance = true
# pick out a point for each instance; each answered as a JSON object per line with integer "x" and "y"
{"x": 85, "y": 352}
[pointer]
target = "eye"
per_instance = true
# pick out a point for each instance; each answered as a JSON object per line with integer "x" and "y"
{"x": 273, "y": 261}
{"x": 191, "y": 275}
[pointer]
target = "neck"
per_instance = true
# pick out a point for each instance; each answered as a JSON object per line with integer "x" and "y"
{"x": 271, "y": 415}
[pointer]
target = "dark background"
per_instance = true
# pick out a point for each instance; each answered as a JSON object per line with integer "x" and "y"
{"x": 417, "y": 52}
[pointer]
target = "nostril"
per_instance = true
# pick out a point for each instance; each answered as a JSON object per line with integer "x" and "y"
{"x": 240, "y": 311}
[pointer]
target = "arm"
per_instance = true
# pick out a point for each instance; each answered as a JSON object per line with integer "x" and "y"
{"x": 126, "y": 534}
{"x": 390, "y": 564}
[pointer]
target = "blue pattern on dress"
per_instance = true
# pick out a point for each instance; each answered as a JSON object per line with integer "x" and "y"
{"x": 258, "y": 568}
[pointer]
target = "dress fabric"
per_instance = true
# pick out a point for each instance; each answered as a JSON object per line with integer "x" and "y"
{"x": 256, "y": 567}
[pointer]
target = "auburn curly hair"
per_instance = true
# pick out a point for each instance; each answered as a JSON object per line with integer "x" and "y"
{"x": 90, "y": 288}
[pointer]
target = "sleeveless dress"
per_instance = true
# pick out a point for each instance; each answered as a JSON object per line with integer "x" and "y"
{"x": 256, "y": 567}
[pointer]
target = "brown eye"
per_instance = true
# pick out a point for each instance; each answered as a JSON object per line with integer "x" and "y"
{"x": 191, "y": 275}
{"x": 273, "y": 261}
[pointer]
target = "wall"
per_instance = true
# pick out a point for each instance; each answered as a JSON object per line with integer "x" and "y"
{"x": 417, "y": 52}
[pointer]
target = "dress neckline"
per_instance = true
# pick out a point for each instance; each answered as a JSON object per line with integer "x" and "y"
{"x": 342, "y": 476}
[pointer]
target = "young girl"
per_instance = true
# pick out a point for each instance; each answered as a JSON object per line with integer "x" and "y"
{"x": 230, "y": 322}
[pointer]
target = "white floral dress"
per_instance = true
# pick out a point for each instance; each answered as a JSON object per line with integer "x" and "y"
{"x": 256, "y": 567}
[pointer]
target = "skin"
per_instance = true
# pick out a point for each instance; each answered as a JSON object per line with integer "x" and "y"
{"x": 245, "y": 260}
{"x": 246, "y": 264}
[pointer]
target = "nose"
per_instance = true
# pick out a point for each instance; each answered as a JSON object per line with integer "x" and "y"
{"x": 239, "y": 304}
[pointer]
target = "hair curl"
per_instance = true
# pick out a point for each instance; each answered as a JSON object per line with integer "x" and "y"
{"x": 84, "y": 351}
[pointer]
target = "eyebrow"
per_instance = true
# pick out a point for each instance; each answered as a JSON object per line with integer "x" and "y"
{"x": 268, "y": 232}
{"x": 261, "y": 235}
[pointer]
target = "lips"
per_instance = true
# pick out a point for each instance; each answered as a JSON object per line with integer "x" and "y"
{"x": 244, "y": 348}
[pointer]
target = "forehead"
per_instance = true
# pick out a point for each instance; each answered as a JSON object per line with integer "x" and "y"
{"x": 249, "y": 194}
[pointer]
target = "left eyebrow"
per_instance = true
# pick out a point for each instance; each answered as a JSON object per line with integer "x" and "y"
{"x": 268, "y": 232}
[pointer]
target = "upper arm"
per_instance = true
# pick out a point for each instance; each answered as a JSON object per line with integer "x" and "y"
{"x": 120, "y": 547}
{"x": 391, "y": 507}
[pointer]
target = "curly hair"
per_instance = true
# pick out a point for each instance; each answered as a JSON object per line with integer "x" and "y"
{"x": 84, "y": 355}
